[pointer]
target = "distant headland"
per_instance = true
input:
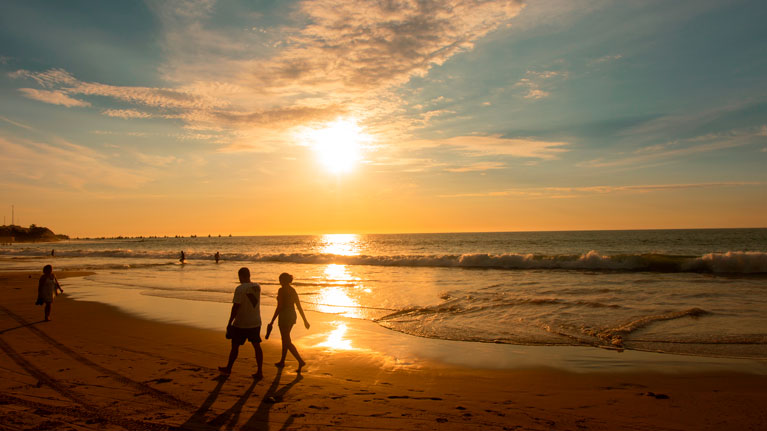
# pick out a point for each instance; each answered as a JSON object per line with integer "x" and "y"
{"x": 33, "y": 233}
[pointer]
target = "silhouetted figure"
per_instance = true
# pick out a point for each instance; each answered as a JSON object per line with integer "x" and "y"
{"x": 287, "y": 298}
{"x": 245, "y": 322}
{"x": 46, "y": 290}
{"x": 182, "y": 259}
{"x": 217, "y": 256}
{"x": 53, "y": 252}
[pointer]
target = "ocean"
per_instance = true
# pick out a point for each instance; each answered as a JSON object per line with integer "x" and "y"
{"x": 693, "y": 292}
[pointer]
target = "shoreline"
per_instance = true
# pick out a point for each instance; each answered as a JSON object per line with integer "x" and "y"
{"x": 367, "y": 337}
{"x": 95, "y": 367}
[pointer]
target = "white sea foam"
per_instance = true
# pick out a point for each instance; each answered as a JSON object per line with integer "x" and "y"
{"x": 731, "y": 262}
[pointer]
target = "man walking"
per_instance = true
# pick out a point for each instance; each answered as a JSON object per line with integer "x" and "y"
{"x": 245, "y": 321}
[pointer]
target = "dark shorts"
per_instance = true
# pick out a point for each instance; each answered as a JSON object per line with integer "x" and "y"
{"x": 287, "y": 319}
{"x": 239, "y": 335}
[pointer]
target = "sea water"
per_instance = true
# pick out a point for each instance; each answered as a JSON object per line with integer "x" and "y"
{"x": 694, "y": 292}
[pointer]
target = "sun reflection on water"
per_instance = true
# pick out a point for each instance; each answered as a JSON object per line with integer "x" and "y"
{"x": 336, "y": 338}
{"x": 345, "y": 244}
{"x": 335, "y": 272}
{"x": 334, "y": 296}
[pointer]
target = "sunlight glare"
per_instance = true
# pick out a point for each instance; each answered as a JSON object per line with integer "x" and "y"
{"x": 335, "y": 300}
{"x": 338, "y": 144}
{"x": 340, "y": 244}
{"x": 336, "y": 338}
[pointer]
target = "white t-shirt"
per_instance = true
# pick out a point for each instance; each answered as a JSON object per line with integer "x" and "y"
{"x": 248, "y": 295}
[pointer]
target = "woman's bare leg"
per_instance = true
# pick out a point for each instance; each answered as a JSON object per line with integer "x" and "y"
{"x": 286, "y": 343}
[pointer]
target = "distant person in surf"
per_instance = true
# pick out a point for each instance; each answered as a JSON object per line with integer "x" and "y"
{"x": 46, "y": 290}
{"x": 182, "y": 259}
{"x": 217, "y": 256}
{"x": 53, "y": 251}
{"x": 287, "y": 298}
{"x": 245, "y": 322}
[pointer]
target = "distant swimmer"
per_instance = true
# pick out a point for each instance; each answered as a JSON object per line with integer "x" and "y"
{"x": 182, "y": 259}
{"x": 217, "y": 256}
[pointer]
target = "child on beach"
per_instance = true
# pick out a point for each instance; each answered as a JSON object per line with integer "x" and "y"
{"x": 46, "y": 290}
{"x": 287, "y": 297}
{"x": 245, "y": 321}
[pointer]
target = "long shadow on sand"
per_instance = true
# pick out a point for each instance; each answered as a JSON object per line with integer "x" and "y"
{"x": 21, "y": 326}
{"x": 228, "y": 419}
{"x": 197, "y": 420}
{"x": 260, "y": 419}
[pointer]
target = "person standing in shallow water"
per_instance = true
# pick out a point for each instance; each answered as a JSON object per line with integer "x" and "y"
{"x": 46, "y": 290}
{"x": 245, "y": 322}
{"x": 287, "y": 298}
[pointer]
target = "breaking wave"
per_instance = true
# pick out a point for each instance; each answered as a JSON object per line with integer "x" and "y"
{"x": 731, "y": 262}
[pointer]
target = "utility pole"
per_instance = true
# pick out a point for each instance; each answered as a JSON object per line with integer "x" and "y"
{"x": 12, "y": 215}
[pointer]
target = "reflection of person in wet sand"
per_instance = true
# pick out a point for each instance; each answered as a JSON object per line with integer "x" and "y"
{"x": 46, "y": 290}
{"x": 287, "y": 298}
{"x": 245, "y": 321}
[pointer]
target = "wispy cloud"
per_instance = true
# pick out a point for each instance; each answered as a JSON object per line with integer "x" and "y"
{"x": 53, "y": 97}
{"x": 58, "y": 163}
{"x": 534, "y": 82}
{"x": 15, "y": 123}
{"x": 480, "y": 166}
{"x": 681, "y": 148}
{"x": 573, "y": 192}
{"x": 478, "y": 145}
{"x": 342, "y": 57}
{"x": 125, "y": 113}
{"x": 607, "y": 58}
{"x": 363, "y": 45}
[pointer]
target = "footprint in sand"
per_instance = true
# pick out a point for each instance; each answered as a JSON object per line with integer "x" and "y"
{"x": 656, "y": 396}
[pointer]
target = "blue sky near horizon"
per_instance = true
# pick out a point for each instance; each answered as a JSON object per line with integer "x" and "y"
{"x": 174, "y": 117}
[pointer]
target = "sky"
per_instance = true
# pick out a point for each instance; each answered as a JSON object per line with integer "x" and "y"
{"x": 269, "y": 117}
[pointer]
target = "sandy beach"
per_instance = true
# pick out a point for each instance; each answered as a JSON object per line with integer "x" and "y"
{"x": 95, "y": 367}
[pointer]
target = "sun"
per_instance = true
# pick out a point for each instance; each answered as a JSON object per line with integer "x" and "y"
{"x": 338, "y": 145}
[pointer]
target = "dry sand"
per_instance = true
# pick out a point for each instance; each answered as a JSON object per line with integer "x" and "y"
{"x": 94, "y": 367}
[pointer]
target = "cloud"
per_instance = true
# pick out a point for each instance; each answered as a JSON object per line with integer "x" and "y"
{"x": 480, "y": 166}
{"x": 15, "y": 123}
{"x": 607, "y": 58}
{"x": 573, "y": 192}
{"x": 125, "y": 113}
{"x": 360, "y": 44}
{"x": 479, "y": 145}
{"x": 676, "y": 149}
{"x": 53, "y": 97}
{"x": 63, "y": 164}
{"x": 336, "y": 58}
{"x": 533, "y": 81}
{"x": 157, "y": 161}
{"x": 48, "y": 79}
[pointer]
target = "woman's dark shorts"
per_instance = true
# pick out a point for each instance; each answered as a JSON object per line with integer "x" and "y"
{"x": 239, "y": 335}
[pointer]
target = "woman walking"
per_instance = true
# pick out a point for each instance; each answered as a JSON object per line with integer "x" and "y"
{"x": 287, "y": 298}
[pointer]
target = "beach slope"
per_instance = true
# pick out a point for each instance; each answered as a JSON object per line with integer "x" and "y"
{"x": 94, "y": 367}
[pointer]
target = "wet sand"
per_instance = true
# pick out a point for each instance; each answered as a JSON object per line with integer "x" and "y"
{"x": 95, "y": 367}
